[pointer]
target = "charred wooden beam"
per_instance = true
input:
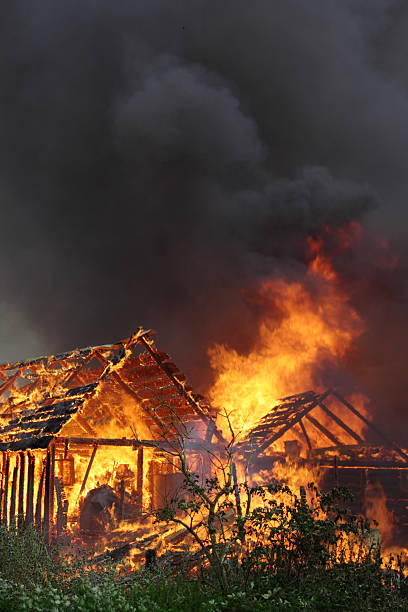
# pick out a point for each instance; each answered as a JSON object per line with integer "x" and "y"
{"x": 139, "y": 480}
{"x": 180, "y": 387}
{"x": 303, "y": 428}
{"x": 157, "y": 444}
{"x": 3, "y": 471}
{"x": 261, "y": 447}
{"x": 52, "y": 482}
{"x": 369, "y": 424}
{"x": 38, "y": 507}
{"x": 21, "y": 492}
{"x": 6, "y": 486}
{"x": 12, "y": 515}
{"x": 341, "y": 423}
{"x": 88, "y": 469}
{"x": 47, "y": 480}
{"x": 60, "y": 509}
{"x": 30, "y": 490}
{"x": 324, "y": 430}
{"x": 90, "y": 442}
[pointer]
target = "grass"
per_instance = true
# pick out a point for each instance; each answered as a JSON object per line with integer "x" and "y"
{"x": 293, "y": 563}
{"x": 34, "y": 577}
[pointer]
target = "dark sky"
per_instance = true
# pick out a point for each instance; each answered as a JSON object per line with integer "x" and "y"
{"x": 157, "y": 157}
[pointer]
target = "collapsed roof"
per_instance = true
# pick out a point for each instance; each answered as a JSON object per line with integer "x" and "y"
{"x": 294, "y": 410}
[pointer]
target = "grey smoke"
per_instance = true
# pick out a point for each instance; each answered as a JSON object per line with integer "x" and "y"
{"x": 157, "y": 158}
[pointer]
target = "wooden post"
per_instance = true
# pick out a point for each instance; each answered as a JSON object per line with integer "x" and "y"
{"x": 6, "y": 484}
{"x": 38, "y": 506}
{"x": 47, "y": 482}
{"x": 122, "y": 500}
{"x": 30, "y": 490}
{"x": 3, "y": 471}
{"x": 303, "y": 428}
{"x": 20, "y": 512}
{"x": 65, "y": 514}
{"x": 52, "y": 485}
{"x": 139, "y": 480}
{"x": 88, "y": 469}
{"x": 59, "y": 507}
{"x": 12, "y": 516}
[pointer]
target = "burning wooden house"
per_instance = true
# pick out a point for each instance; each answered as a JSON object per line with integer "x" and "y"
{"x": 351, "y": 451}
{"x": 87, "y": 422}
{"x": 81, "y": 434}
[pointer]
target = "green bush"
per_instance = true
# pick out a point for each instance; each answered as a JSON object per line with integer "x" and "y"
{"x": 291, "y": 557}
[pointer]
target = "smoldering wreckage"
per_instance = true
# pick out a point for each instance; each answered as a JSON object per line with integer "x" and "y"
{"x": 82, "y": 440}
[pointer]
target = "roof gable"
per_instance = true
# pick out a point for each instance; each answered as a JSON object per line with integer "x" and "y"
{"x": 100, "y": 388}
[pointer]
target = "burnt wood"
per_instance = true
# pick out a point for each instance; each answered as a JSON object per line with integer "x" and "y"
{"x": 5, "y": 494}
{"x": 88, "y": 469}
{"x": 303, "y": 428}
{"x": 38, "y": 507}
{"x": 21, "y": 484}
{"x": 296, "y": 415}
{"x": 47, "y": 479}
{"x": 373, "y": 427}
{"x": 339, "y": 421}
{"x": 60, "y": 509}
{"x": 323, "y": 429}
{"x": 139, "y": 478}
{"x": 12, "y": 515}
{"x": 30, "y": 490}
{"x": 52, "y": 481}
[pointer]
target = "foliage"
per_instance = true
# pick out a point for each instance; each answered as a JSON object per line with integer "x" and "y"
{"x": 25, "y": 558}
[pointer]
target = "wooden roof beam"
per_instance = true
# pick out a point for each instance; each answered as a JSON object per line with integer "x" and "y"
{"x": 369, "y": 424}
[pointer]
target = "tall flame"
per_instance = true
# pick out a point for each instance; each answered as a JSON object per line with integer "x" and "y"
{"x": 305, "y": 328}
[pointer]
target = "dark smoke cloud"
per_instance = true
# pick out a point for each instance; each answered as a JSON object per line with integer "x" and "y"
{"x": 157, "y": 157}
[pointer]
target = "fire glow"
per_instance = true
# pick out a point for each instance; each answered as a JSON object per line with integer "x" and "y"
{"x": 82, "y": 430}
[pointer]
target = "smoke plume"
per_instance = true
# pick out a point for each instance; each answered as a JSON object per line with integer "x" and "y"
{"x": 157, "y": 158}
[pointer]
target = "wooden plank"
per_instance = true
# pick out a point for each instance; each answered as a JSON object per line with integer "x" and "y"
{"x": 3, "y": 471}
{"x": 369, "y": 424}
{"x": 21, "y": 483}
{"x": 323, "y": 429}
{"x": 338, "y": 420}
{"x": 303, "y": 428}
{"x": 60, "y": 509}
{"x": 12, "y": 515}
{"x": 88, "y": 469}
{"x": 6, "y": 487}
{"x": 139, "y": 478}
{"x": 46, "y": 522}
{"x": 38, "y": 508}
{"x": 30, "y": 490}
{"x": 52, "y": 483}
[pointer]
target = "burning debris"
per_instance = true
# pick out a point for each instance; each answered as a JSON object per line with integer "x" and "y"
{"x": 83, "y": 435}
